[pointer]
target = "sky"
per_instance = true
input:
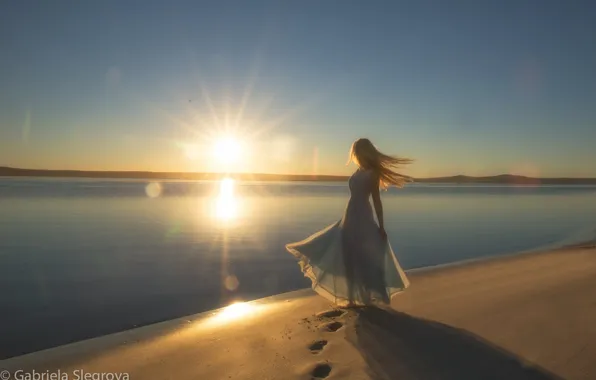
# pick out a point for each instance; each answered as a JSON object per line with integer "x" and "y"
{"x": 462, "y": 87}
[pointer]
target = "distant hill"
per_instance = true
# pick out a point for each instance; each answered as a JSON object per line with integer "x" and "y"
{"x": 509, "y": 179}
{"x": 459, "y": 179}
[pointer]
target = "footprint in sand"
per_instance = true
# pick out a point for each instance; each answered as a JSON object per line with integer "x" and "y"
{"x": 317, "y": 346}
{"x": 334, "y": 313}
{"x": 321, "y": 371}
{"x": 333, "y": 326}
{"x": 331, "y": 314}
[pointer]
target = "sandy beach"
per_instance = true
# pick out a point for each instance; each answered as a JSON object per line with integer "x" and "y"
{"x": 528, "y": 316}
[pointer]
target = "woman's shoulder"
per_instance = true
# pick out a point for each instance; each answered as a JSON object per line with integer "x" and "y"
{"x": 373, "y": 173}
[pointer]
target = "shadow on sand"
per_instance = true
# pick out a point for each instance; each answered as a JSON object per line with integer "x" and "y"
{"x": 398, "y": 346}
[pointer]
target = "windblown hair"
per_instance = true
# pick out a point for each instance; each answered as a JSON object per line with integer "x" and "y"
{"x": 367, "y": 156}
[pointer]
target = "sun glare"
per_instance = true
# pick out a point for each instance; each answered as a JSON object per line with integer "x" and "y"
{"x": 227, "y": 150}
{"x": 235, "y": 313}
{"x": 237, "y": 310}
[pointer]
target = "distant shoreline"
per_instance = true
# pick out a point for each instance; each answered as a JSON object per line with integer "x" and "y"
{"x": 458, "y": 179}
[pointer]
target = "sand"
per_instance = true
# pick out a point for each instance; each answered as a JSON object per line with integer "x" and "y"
{"x": 529, "y": 316}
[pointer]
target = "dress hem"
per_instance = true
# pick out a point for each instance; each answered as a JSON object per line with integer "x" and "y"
{"x": 304, "y": 263}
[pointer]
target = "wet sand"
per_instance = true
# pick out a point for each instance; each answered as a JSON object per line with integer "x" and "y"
{"x": 529, "y": 316}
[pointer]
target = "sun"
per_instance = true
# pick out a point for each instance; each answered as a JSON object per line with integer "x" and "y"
{"x": 227, "y": 150}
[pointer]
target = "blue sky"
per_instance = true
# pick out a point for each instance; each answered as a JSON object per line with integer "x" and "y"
{"x": 472, "y": 87}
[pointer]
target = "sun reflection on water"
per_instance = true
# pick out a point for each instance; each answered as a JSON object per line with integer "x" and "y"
{"x": 226, "y": 204}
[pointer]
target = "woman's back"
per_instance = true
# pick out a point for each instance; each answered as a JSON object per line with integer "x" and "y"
{"x": 359, "y": 207}
{"x": 360, "y": 184}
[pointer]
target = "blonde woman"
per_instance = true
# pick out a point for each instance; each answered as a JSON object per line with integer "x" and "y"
{"x": 351, "y": 262}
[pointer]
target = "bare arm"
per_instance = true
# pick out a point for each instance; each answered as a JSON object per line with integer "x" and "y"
{"x": 376, "y": 197}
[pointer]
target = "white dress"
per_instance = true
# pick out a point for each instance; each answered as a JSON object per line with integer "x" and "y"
{"x": 349, "y": 262}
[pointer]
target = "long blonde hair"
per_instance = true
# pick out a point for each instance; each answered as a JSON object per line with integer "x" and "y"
{"x": 364, "y": 154}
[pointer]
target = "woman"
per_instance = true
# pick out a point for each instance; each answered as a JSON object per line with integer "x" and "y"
{"x": 351, "y": 262}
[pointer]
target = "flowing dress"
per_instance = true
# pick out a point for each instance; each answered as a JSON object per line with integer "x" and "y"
{"x": 349, "y": 262}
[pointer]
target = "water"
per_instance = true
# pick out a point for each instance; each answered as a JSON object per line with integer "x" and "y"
{"x": 82, "y": 258}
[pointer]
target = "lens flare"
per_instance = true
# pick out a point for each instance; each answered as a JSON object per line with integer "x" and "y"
{"x": 153, "y": 190}
{"x": 231, "y": 283}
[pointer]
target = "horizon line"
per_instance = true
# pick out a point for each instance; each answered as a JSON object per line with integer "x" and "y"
{"x": 247, "y": 174}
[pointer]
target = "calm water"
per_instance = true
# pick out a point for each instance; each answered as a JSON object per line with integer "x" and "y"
{"x": 81, "y": 258}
